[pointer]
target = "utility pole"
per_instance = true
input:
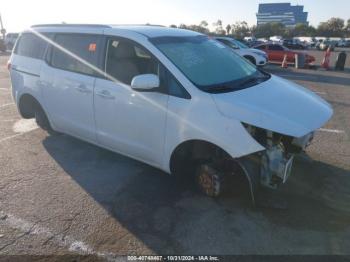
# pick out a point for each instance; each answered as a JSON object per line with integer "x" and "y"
{"x": 3, "y": 30}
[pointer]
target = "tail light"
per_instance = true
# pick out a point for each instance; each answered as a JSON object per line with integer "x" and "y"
{"x": 8, "y": 65}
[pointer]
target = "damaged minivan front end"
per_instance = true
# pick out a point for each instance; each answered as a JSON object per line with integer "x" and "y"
{"x": 282, "y": 117}
{"x": 275, "y": 162}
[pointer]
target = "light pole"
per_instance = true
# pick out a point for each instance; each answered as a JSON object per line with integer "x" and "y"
{"x": 3, "y": 30}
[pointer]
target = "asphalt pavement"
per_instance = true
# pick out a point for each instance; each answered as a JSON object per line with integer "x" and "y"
{"x": 59, "y": 195}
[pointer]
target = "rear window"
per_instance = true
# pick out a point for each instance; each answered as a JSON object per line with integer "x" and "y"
{"x": 31, "y": 45}
{"x": 72, "y": 49}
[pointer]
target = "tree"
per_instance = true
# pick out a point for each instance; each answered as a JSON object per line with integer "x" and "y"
{"x": 240, "y": 29}
{"x": 228, "y": 29}
{"x": 199, "y": 29}
{"x": 173, "y": 26}
{"x": 304, "y": 30}
{"x": 203, "y": 23}
{"x": 269, "y": 29}
{"x": 347, "y": 28}
{"x": 218, "y": 27}
{"x": 333, "y": 27}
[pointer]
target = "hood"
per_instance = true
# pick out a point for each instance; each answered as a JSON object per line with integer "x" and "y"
{"x": 277, "y": 105}
{"x": 258, "y": 51}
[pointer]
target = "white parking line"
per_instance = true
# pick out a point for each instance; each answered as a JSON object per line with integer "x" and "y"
{"x": 331, "y": 131}
{"x": 10, "y": 137}
{"x": 5, "y": 105}
{"x": 61, "y": 240}
{"x": 21, "y": 127}
{"x": 320, "y": 93}
{"x": 8, "y": 120}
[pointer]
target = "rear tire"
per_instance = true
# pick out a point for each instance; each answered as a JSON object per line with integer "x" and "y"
{"x": 42, "y": 120}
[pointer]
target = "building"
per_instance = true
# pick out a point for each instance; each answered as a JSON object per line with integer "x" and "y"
{"x": 283, "y": 13}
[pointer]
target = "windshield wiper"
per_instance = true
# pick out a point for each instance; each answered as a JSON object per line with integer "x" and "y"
{"x": 255, "y": 79}
{"x": 219, "y": 89}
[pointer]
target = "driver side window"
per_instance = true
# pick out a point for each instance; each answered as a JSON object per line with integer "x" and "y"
{"x": 125, "y": 60}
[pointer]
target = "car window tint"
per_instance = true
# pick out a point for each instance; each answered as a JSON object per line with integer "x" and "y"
{"x": 126, "y": 60}
{"x": 275, "y": 48}
{"x": 77, "y": 53}
{"x": 31, "y": 45}
{"x": 261, "y": 47}
{"x": 176, "y": 89}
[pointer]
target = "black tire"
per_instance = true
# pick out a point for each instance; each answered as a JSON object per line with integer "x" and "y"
{"x": 42, "y": 120}
{"x": 250, "y": 59}
{"x": 210, "y": 181}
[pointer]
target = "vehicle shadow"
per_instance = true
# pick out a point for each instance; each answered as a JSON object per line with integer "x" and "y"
{"x": 170, "y": 218}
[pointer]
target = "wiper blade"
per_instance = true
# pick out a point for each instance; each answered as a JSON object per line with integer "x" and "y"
{"x": 218, "y": 89}
{"x": 254, "y": 79}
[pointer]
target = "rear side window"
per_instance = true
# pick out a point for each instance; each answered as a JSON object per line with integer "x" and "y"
{"x": 31, "y": 45}
{"x": 275, "y": 48}
{"x": 73, "y": 49}
{"x": 261, "y": 47}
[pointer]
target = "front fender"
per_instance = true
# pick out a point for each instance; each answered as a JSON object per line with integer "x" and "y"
{"x": 199, "y": 119}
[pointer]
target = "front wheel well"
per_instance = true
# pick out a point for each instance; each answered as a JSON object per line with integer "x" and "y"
{"x": 188, "y": 154}
{"x": 250, "y": 58}
{"x": 27, "y": 105}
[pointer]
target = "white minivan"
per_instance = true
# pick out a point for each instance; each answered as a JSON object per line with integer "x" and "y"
{"x": 174, "y": 99}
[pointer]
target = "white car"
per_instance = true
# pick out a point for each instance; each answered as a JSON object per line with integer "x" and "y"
{"x": 174, "y": 99}
{"x": 255, "y": 56}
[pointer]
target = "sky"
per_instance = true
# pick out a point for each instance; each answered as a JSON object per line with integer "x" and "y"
{"x": 18, "y": 15}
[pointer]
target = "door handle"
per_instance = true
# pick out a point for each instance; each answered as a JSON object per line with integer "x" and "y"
{"x": 105, "y": 94}
{"x": 83, "y": 89}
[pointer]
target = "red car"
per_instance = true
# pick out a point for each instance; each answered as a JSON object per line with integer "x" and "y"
{"x": 276, "y": 53}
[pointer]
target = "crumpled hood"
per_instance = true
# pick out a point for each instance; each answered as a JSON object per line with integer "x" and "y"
{"x": 277, "y": 105}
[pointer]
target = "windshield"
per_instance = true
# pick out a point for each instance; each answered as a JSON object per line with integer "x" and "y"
{"x": 207, "y": 63}
{"x": 240, "y": 44}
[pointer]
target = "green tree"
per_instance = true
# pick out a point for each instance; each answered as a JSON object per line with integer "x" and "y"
{"x": 203, "y": 23}
{"x": 268, "y": 30}
{"x": 218, "y": 27}
{"x": 347, "y": 28}
{"x": 303, "y": 30}
{"x": 240, "y": 29}
{"x": 228, "y": 29}
{"x": 333, "y": 27}
{"x": 173, "y": 26}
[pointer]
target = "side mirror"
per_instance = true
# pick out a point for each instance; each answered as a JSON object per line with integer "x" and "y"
{"x": 146, "y": 82}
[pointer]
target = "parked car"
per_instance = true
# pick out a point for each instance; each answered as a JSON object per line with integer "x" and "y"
{"x": 340, "y": 43}
{"x": 254, "y": 43}
{"x": 10, "y": 40}
{"x": 172, "y": 98}
{"x": 255, "y": 56}
{"x": 292, "y": 44}
{"x": 277, "y": 52}
{"x": 326, "y": 44}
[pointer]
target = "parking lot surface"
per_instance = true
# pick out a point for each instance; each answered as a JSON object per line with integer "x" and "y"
{"x": 59, "y": 195}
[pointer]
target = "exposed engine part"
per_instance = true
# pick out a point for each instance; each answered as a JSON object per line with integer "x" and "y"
{"x": 303, "y": 141}
{"x": 276, "y": 161}
{"x": 276, "y": 166}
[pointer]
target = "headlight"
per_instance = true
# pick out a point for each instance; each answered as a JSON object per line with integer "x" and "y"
{"x": 260, "y": 54}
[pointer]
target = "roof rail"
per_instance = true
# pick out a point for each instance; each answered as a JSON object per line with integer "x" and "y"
{"x": 71, "y": 25}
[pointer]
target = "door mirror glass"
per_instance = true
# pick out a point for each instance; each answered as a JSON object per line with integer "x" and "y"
{"x": 145, "y": 82}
